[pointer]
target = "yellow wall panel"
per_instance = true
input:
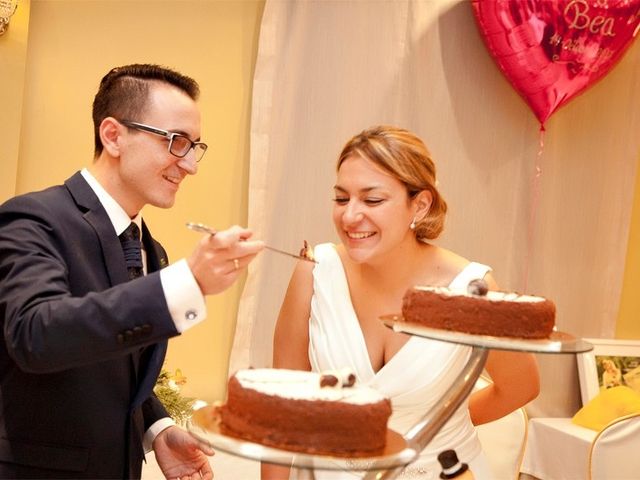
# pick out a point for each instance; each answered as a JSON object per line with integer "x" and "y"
{"x": 628, "y": 325}
{"x": 72, "y": 44}
{"x": 13, "y": 57}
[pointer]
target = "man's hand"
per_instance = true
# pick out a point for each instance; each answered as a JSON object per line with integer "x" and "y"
{"x": 181, "y": 456}
{"x": 218, "y": 260}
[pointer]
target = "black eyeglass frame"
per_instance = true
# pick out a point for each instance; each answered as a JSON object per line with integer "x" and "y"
{"x": 169, "y": 136}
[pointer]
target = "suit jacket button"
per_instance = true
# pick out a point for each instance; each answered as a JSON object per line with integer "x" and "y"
{"x": 120, "y": 338}
{"x": 128, "y": 335}
{"x": 146, "y": 329}
{"x": 137, "y": 331}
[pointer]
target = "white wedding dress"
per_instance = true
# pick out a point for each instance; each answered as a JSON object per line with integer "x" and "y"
{"x": 414, "y": 379}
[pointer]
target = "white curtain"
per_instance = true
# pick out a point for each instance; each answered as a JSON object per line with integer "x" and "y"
{"x": 328, "y": 69}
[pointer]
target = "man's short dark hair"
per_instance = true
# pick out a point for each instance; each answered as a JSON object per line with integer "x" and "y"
{"x": 124, "y": 92}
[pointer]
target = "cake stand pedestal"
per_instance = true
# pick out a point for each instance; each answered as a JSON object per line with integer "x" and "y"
{"x": 400, "y": 450}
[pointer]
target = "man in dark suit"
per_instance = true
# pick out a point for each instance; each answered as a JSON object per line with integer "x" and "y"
{"x": 85, "y": 314}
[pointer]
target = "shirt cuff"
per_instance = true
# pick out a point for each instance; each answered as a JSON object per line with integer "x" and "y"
{"x": 153, "y": 431}
{"x": 184, "y": 298}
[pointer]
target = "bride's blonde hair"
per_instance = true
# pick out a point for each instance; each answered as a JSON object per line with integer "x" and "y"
{"x": 403, "y": 155}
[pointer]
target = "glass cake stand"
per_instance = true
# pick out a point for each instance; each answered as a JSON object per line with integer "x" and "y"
{"x": 397, "y": 452}
{"x": 401, "y": 449}
{"x": 558, "y": 342}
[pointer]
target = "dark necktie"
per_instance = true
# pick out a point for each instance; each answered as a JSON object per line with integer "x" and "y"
{"x": 132, "y": 248}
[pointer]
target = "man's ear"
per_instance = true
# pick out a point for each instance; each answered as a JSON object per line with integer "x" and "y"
{"x": 422, "y": 203}
{"x": 110, "y": 131}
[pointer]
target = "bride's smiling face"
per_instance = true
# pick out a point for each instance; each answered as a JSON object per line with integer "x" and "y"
{"x": 372, "y": 210}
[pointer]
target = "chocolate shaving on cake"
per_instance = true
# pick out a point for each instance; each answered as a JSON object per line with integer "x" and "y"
{"x": 342, "y": 378}
{"x": 328, "y": 381}
{"x": 478, "y": 287}
{"x": 351, "y": 381}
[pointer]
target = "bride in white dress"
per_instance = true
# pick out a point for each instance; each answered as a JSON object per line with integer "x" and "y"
{"x": 387, "y": 208}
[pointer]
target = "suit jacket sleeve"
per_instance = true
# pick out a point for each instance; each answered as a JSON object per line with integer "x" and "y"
{"x": 65, "y": 298}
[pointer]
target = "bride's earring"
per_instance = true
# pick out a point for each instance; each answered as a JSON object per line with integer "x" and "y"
{"x": 413, "y": 224}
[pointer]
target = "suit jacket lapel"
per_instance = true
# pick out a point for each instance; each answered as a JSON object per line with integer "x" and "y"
{"x": 156, "y": 255}
{"x": 95, "y": 214}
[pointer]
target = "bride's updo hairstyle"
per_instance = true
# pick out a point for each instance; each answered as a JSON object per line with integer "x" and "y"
{"x": 403, "y": 155}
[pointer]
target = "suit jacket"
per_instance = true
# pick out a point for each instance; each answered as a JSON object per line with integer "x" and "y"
{"x": 82, "y": 345}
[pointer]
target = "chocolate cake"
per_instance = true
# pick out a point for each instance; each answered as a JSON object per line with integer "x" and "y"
{"x": 480, "y": 311}
{"x": 307, "y": 252}
{"x": 307, "y": 412}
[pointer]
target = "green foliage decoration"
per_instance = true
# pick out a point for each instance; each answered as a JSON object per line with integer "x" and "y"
{"x": 167, "y": 389}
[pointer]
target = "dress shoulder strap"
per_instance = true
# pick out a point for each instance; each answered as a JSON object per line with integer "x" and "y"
{"x": 472, "y": 271}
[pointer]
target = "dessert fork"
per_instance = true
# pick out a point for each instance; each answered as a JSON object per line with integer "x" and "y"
{"x": 200, "y": 227}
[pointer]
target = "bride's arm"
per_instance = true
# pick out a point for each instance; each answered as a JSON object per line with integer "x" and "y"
{"x": 516, "y": 382}
{"x": 291, "y": 339}
{"x": 291, "y": 336}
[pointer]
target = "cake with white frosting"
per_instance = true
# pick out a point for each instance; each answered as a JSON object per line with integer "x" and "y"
{"x": 480, "y": 311}
{"x": 326, "y": 414}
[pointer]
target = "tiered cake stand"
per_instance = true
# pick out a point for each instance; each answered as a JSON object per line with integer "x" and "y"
{"x": 401, "y": 449}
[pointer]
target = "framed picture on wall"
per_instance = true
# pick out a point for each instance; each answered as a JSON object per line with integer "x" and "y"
{"x": 609, "y": 364}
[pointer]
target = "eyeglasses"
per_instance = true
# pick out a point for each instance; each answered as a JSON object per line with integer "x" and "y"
{"x": 179, "y": 144}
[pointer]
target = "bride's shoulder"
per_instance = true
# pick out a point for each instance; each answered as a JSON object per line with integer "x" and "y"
{"x": 438, "y": 266}
{"x": 456, "y": 266}
{"x": 450, "y": 261}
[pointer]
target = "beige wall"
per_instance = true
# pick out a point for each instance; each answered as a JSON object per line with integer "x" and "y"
{"x": 71, "y": 45}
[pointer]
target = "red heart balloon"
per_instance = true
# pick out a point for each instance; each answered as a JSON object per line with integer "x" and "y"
{"x": 552, "y": 50}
